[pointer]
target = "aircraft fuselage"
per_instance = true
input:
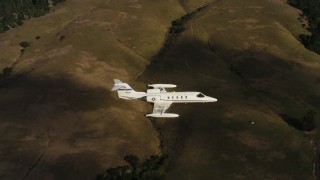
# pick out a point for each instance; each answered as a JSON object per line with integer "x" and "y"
{"x": 179, "y": 97}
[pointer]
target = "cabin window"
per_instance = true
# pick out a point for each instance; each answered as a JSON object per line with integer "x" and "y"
{"x": 172, "y": 97}
{"x": 181, "y": 97}
{"x": 186, "y": 97}
{"x": 200, "y": 95}
{"x": 168, "y": 97}
{"x": 177, "y": 97}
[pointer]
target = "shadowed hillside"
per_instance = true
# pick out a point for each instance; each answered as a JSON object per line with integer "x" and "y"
{"x": 249, "y": 58}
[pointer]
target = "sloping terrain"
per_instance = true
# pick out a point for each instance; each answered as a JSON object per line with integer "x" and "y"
{"x": 248, "y": 57}
{"x": 59, "y": 120}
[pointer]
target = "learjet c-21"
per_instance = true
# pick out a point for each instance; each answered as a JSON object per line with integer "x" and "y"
{"x": 160, "y": 97}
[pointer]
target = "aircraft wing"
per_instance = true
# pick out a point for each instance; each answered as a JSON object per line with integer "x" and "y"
{"x": 161, "y": 107}
{"x": 159, "y": 110}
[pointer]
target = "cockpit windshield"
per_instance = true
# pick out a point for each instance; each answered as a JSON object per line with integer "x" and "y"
{"x": 201, "y": 95}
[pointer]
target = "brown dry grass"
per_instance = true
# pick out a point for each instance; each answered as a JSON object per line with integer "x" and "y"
{"x": 57, "y": 113}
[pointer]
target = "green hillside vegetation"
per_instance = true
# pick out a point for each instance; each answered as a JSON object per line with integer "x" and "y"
{"x": 13, "y": 12}
{"x": 311, "y": 9}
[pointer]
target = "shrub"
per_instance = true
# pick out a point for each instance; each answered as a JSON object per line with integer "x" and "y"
{"x": 62, "y": 37}
{"x": 24, "y": 44}
{"x": 7, "y": 71}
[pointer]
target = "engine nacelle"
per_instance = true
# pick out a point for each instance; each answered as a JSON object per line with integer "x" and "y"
{"x": 153, "y": 98}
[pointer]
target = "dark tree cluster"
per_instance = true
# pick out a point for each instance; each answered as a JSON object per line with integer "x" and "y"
{"x": 153, "y": 168}
{"x": 13, "y": 12}
{"x": 306, "y": 123}
{"x": 177, "y": 27}
{"x": 311, "y": 9}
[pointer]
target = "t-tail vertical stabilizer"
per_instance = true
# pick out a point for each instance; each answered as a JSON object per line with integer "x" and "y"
{"x": 125, "y": 91}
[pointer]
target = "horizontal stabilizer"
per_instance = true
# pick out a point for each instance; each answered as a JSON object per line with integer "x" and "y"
{"x": 163, "y": 115}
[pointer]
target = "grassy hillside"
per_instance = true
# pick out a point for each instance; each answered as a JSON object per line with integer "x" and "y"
{"x": 58, "y": 118}
{"x": 247, "y": 56}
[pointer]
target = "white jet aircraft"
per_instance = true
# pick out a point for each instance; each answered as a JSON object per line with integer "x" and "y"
{"x": 160, "y": 97}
